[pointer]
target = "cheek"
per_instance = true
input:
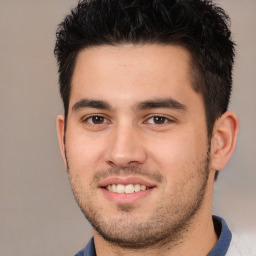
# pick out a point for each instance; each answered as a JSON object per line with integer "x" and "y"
{"x": 81, "y": 154}
{"x": 83, "y": 148}
{"x": 179, "y": 152}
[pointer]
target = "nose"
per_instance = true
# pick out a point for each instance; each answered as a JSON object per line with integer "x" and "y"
{"x": 126, "y": 147}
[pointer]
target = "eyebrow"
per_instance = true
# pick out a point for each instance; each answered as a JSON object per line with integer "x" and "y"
{"x": 86, "y": 103}
{"x": 169, "y": 103}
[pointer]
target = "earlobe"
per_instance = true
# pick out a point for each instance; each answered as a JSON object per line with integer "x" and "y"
{"x": 61, "y": 134}
{"x": 223, "y": 140}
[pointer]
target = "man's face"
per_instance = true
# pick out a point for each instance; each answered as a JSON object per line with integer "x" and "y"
{"x": 135, "y": 122}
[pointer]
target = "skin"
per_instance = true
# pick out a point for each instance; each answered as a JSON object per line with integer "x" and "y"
{"x": 117, "y": 133}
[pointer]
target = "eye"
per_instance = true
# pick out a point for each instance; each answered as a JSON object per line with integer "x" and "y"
{"x": 96, "y": 120}
{"x": 158, "y": 120}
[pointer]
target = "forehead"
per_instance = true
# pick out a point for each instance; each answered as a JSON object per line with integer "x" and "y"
{"x": 132, "y": 73}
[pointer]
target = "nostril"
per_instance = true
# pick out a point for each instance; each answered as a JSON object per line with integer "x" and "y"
{"x": 126, "y": 158}
{"x": 123, "y": 164}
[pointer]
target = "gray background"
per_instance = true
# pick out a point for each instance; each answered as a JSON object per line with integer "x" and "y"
{"x": 38, "y": 215}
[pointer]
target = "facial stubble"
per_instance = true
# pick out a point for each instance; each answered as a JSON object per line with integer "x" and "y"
{"x": 166, "y": 224}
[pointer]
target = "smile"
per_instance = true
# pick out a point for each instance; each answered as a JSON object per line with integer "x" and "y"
{"x": 127, "y": 189}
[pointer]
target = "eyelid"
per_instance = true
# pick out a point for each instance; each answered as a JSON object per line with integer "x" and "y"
{"x": 85, "y": 119}
{"x": 168, "y": 118}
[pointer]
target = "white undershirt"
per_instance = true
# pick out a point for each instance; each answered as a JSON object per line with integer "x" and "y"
{"x": 242, "y": 245}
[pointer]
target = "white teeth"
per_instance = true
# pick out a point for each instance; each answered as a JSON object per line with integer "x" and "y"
{"x": 142, "y": 187}
{"x": 129, "y": 188}
{"x": 120, "y": 188}
{"x": 137, "y": 188}
{"x": 113, "y": 188}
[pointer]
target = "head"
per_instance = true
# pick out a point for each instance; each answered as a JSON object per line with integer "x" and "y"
{"x": 145, "y": 86}
{"x": 198, "y": 26}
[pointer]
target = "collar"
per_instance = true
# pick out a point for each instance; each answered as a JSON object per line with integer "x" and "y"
{"x": 224, "y": 235}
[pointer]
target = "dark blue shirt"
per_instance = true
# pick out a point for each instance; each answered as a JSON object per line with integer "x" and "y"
{"x": 220, "y": 248}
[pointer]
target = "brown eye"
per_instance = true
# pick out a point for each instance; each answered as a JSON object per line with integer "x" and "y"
{"x": 96, "y": 120}
{"x": 158, "y": 120}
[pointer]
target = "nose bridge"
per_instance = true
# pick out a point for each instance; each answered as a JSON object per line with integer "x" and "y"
{"x": 125, "y": 146}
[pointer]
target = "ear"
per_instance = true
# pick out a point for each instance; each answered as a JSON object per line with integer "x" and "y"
{"x": 223, "y": 140}
{"x": 61, "y": 136}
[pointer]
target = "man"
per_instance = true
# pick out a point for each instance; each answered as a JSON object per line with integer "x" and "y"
{"x": 146, "y": 87}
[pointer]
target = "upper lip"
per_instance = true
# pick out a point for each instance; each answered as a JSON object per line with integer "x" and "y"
{"x": 126, "y": 181}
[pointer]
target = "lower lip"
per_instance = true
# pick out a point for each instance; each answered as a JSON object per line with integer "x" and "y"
{"x": 126, "y": 198}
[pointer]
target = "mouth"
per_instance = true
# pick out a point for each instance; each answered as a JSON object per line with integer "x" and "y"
{"x": 123, "y": 190}
{"x": 127, "y": 189}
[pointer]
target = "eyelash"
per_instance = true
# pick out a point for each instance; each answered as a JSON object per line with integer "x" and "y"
{"x": 86, "y": 120}
{"x": 166, "y": 119}
{"x": 105, "y": 121}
